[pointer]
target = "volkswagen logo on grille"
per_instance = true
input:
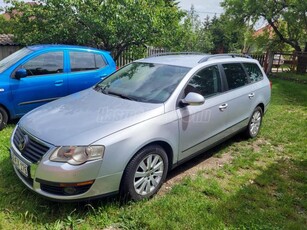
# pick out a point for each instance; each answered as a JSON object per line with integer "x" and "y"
{"x": 23, "y": 143}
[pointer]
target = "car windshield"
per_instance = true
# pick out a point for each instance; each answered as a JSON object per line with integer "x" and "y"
{"x": 13, "y": 58}
{"x": 145, "y": 82}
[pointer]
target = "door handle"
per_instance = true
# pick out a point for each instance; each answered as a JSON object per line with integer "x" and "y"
{"x": 223, "y": 107}
{"x": 58, "y": 83}
{"x": 251, "y": 95}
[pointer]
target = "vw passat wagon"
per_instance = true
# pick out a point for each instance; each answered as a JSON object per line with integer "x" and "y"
{"x": 125, "y": 133}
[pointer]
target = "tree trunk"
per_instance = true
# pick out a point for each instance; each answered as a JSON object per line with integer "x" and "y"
{"x": 301, "y": 63}
{"x": 269, "y": 61}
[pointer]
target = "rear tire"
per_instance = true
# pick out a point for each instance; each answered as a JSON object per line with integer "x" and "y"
{"x": 3, "y": 118}
{"x": 145, "y": 173}
{"x": 254, "y": 123}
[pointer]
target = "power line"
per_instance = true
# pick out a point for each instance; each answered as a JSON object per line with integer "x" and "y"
{"x": 204, "y": 12}
{"x": 207, "y": 12}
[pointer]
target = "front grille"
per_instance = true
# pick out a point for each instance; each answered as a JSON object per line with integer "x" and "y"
{"x": 32, "y": 150}
{"x": 56, "y": 190}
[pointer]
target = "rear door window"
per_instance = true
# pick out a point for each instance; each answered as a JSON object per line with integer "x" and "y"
{"x": 235, "y": 75}
{"x": 84, "y": 61}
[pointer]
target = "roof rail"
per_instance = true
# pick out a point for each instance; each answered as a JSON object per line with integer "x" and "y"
{"x": 223, "y": 55}
{"x": 175, "y": 53}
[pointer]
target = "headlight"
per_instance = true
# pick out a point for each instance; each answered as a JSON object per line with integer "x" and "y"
{"x": 76, "y": 155}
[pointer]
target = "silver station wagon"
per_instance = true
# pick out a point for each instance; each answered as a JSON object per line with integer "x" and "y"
{"x": 124, "y": 134}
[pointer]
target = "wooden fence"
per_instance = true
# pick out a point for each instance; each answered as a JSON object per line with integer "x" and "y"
{"x": 130, "y": 55}
{"x": 282, "y": 61}
{"x": 7, "y": 50}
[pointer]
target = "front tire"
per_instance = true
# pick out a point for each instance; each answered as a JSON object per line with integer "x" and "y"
{"x": 3, "y": 118}
{"x": 254, "y": 123}
{"x": 145, "y": 173}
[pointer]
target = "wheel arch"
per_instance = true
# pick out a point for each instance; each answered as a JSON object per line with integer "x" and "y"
{"x": 163, "y": 144}
{"x": 168, "y": 150}
{"x": 261, "y": 105}
{"x": 6, "y": 110}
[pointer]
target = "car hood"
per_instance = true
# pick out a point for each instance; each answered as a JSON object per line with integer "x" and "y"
{"x": 85, "y": 117}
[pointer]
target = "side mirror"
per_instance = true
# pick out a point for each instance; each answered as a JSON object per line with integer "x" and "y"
{"x": 21, "y": 73}
{"x": 193, "y": 99}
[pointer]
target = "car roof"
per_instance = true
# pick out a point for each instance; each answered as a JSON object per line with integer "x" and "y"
{"x": 191, "y": 60}
{"x": 59, "y": 46}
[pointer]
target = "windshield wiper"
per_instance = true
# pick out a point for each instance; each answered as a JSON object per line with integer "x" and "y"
{"x": 101, "y": 89}
{"x": 104, "y": 90}
{"x": 120, "y": 95}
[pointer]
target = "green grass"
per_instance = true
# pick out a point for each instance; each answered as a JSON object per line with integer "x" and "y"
{"x": 263, "y": 187}
{"x": 301, "y": 78}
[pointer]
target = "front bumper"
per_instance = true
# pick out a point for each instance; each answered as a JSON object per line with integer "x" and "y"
{"x": 61, "y": 181}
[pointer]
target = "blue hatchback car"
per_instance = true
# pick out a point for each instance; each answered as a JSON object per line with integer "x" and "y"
{"x": 39, "y": 74}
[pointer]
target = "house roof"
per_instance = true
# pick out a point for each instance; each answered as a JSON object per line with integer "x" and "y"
{"x": 7, "y": 40}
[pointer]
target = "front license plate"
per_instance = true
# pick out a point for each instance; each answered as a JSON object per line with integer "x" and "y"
{"x": 22, "y": 167}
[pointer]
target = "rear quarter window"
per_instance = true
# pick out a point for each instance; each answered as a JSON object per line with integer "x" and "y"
{"x": 253, "y": 71}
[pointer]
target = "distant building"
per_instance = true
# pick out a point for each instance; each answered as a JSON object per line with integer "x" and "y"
{"x": 266, "y": 29}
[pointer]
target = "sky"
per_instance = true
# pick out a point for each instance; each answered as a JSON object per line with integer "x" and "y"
{"x": 202, "y": 7}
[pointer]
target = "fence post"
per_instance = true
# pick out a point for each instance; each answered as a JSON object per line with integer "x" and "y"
{"x": 269, "y": 61}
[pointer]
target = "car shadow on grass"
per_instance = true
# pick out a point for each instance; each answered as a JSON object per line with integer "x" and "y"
{"x": 203, "y": 156}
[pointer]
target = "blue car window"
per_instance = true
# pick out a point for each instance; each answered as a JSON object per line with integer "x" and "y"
{"x": 99, "y": 60}
{"x": 48, "y": 63}
{"x": 13, "y": 58}
{"x": 83, "y": 61}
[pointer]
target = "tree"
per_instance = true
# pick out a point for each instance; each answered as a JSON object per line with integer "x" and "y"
{"x": 190, "y": 37}
{"x": 287, "y": 18}
{"x": 216, "y": 35}
{"x": 226, "y": 34}
{"x": 113, "y": 25}
{"x": 5, "y": 27}
{"x": 5, "y": 24}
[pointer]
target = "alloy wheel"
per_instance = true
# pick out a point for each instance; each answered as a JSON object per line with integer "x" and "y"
{"x": 148, "y": 174}
{"x": 255, "y": 123}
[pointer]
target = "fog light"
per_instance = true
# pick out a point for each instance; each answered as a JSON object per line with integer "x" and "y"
{"x": 70, "y": 190}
